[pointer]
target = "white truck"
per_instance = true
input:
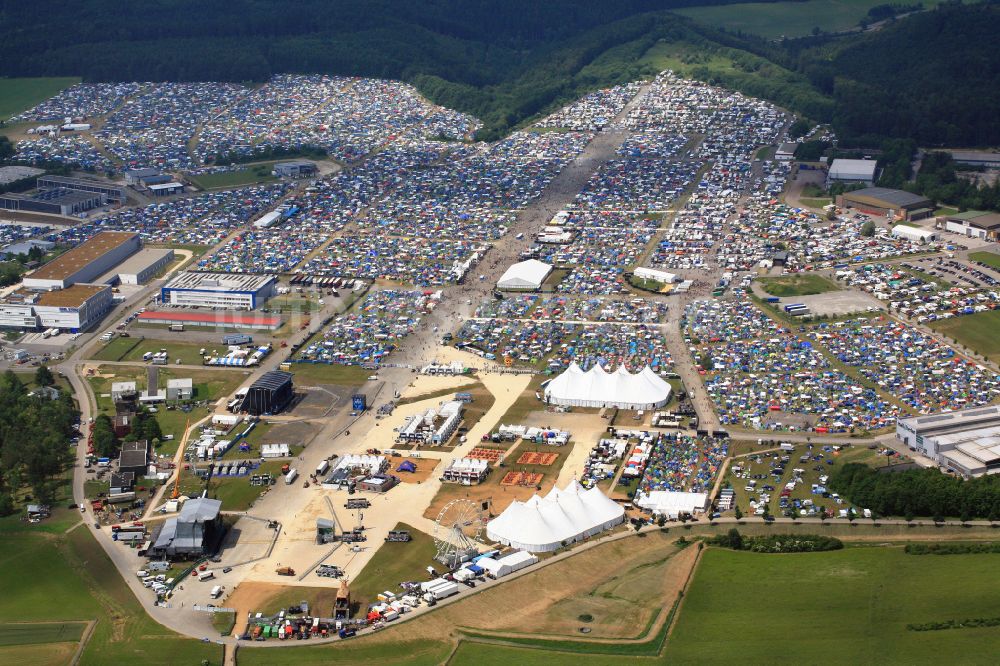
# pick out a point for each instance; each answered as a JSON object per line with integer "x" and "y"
{"x": 291, "y": 476}
{"x": 322, "y": 467}
{"x": 206, "y": 575}
{"x": 216, "y": 592}
{"x": 439, "y": 589}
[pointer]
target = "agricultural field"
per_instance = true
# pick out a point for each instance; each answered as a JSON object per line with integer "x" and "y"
{"x": 785, "y": 19}
{"x": 80, "y": 585}
{"x": 977, "y": 332}
{"x": 17, "y": 95}
{"x": 803, "y": 284}
{"x": 848, "y": 606}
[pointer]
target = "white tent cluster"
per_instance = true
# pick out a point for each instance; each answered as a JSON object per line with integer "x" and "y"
{"x": 544, "y": 524}
{"x": 525, "y": 275}
{"x": 599, "y": 388}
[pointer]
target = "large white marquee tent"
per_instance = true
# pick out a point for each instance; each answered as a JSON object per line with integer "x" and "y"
{"x": 544, "y": 524}
{"x": 599, "y": 388}
{"x": 672, "y": 503}
{"x": 525, "y": 275}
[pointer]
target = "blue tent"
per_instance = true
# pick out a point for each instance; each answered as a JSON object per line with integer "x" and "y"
{"x": 406, "y": 466}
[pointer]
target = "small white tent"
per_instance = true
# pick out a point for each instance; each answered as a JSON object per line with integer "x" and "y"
{"x": 544, "y": 524}
{"x": 525, "y": 275}
{"x": 599, "y": 388}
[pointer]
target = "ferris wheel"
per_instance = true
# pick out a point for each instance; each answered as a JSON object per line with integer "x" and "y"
{"x": 457, "y": 531}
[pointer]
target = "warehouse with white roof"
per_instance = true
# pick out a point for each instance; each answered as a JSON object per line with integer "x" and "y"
{"x": 599, "y": 388}
{"x": 545, "y": 524}
{"x": 852, "y": 171}
{"x": 227, "y": 291}
{"x": 527, "y": 275}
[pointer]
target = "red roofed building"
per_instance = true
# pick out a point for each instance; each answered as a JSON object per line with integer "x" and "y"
{"x": 212, "y": 319}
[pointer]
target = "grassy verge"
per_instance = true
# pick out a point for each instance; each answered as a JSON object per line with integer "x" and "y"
{"x": 802, "y": 284}
{"x": 991, "y": 259}
{"x": 256, "y": 173}
{"x": 393, "y": 563}
{"x": 976, "y": 332}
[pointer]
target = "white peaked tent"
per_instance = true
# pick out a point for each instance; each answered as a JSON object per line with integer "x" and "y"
{"x": 599, "y": 388}
{"x": 544, "y": 524}
{"x": 525, "y": 275}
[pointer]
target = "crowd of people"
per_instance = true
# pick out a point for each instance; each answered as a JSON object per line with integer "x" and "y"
{"x": 370, "y": 331}
{"x": 683, "y": 463}
{"x": 204, "y": 219}
{"x": 922, "y": 373}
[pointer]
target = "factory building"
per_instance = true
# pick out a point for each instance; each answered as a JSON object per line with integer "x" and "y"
{"x": 786, "y": 152}
{"x": 86, "y": 262}
{"x": 974, "y": 224}
{"x": 296, "y": 169}
{"x": 165, "y": 189}
{"x": 73, "y": 309}
{"x": 109, "y": 191}
{"x": 269, "y": 394}
{"x": 135, "y": 177}
{"x": 53, "y": 202}
{"x": 250, "y": 320}
{"x": 134, "y": 458}
{"x": 226, "y": 291}
{"x": 965, "y": 441}
{"x": 140, "y": 268}
{"x": 885, "y": 202}
{"x": 852, "y": 171}
{"x": 976, "y": 158}
{"x": 24, "y": 247}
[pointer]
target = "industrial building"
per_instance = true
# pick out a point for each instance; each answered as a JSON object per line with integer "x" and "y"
{"x": 166, "y": 189}
{"x": 53, "y": 202}
{"x": 974, "y": 224}
{"x": 976, "y": 158}
{"x": 852, "y": 171}
{"x": 85, "y": 262}
{"x": 645, "y": 273}
{"x": 251, "y": 320}
{"x": 786, "y": 152}
{"x": 72, "y": 309}
{"x": 134, "y": 458}
{"x": 193, "y": 533}
{"x": 885, "y": 202}
{"x": 109, "y": 191}
{"x": 525, "y": 276}
{"x": 135, "y": 177}
{"x": 24, "y": 247}
{"x": 140, "y": 268}
{"x": 269, "y": 394}
{"x": 296, "y": 169}
{"x": 965, "y": 441}
{"x": 226, "y": 291}
{"x": 180, "y": 389}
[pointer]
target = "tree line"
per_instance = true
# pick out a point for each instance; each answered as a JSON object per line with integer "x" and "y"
{"x": 34, "y": 440}
{"x": 918, "y": 492}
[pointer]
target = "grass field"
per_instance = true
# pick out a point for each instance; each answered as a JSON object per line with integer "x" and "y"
{"x": 848, "y": 606}
{"x": 45, "y": 632}
{"x": 789, "y": 19}
{"x": 257, "y": 173}
{"x": 419, "y": 652}
{"x": 393, "y": 563}
{"x": 327, "y": 373}
{"x": 17, "y": 95}
{"x": 803, "y": 284}
{"x": 79, "y": 584}
{"x": 991, "y": 259}
{"x": 818, "y": 202}
{"x": 235, "y": 492}
{"x": 977, "y": 331}
{"x": 132, "y": 349}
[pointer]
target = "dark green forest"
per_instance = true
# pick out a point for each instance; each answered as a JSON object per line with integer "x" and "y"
{"x": 933, "y": 76}
{"x": 34, "y": 440}
{"x": 918, "y": 492}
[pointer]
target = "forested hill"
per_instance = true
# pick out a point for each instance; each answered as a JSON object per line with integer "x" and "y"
{"x": 933, "y": 76}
